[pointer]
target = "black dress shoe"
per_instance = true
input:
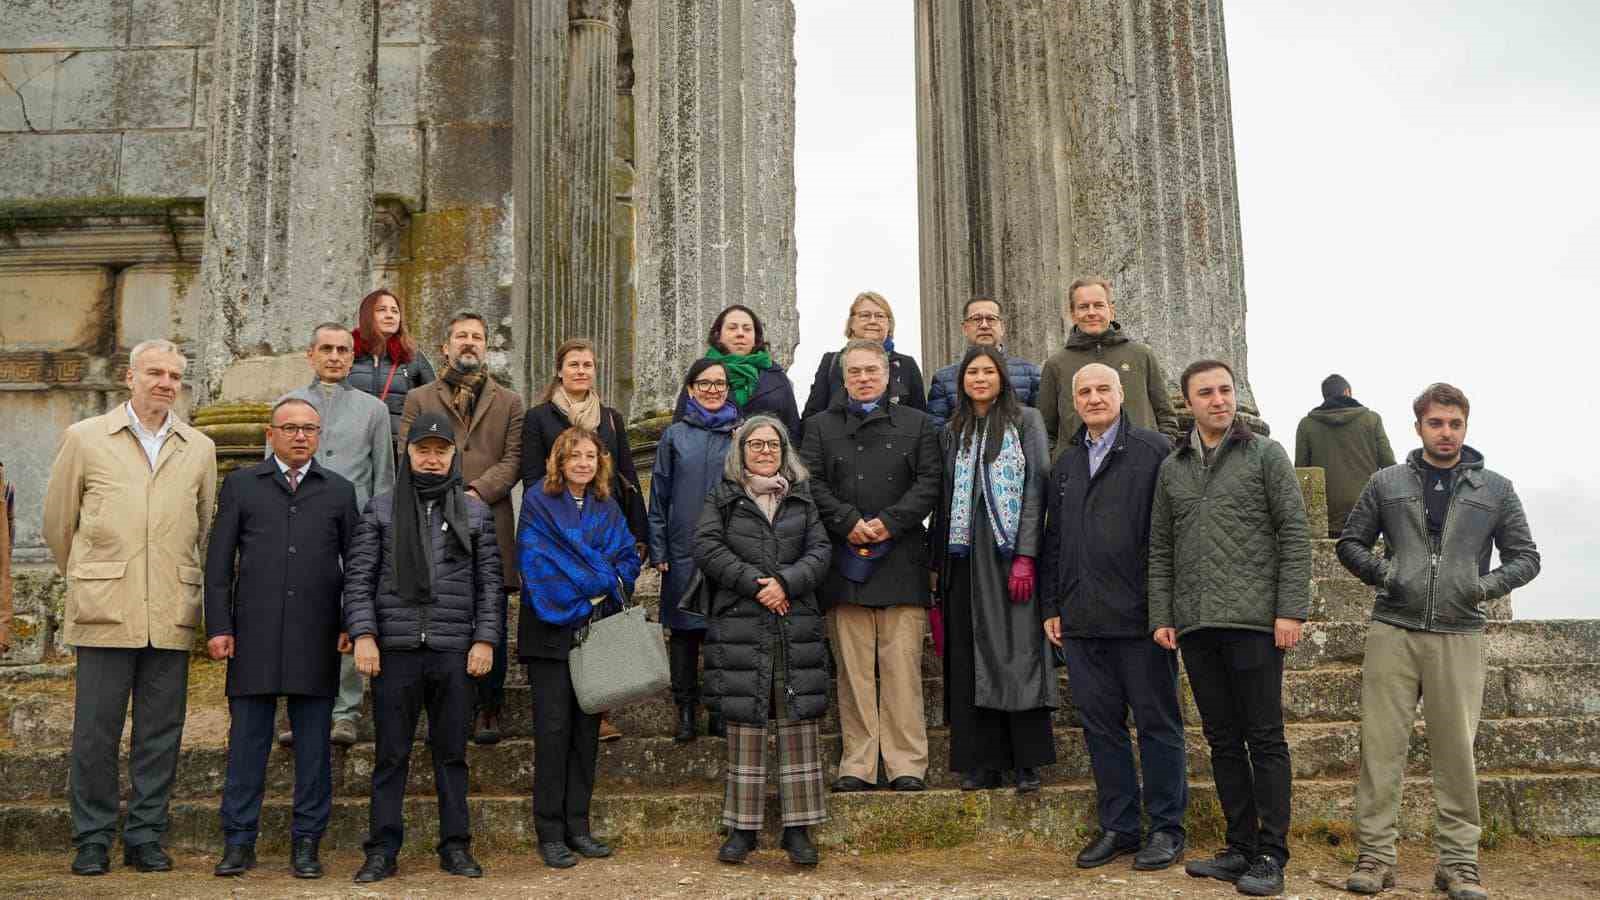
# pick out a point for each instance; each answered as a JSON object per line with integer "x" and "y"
{"x": 849, "y": 784}
{"x": 1107, "y": 847}
{"x": 1228, "y": 865}
{"x": 586, "y": 845}
{"x": 377, "y": 867}
{"x": 303, "y": 862}
{"x": 91, "y": 859}
{"x": 488, "y": 732}
{"x": 557, "y": 855}
{"x": 737, "y": 846}
{"x": 237, "y": 859}
{"x": 685, "y": 732}
{"x": 457, "y": 861}
{"x": 1162, "y": 850}
{"x": 907, "y": 783}
{"x": 147, "y": 857}
{"x": 797, "y": 843}
{"x": 980, "y": 780}
{"x": 1028, "y": 781}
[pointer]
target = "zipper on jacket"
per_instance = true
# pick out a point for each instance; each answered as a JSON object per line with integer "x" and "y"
{"x": 427, "y": 547}
{"x": 1436, "y": 553}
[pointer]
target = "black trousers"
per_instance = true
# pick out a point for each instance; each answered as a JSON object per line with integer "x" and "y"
{"x": 490, "y": 690}
{"x": 250, "y": 738}
{"x": 1108, "y": 676}
{"x": 1237, "y": 679}
{"x": 566, "y": 749}
{"x": 158, "y": 681}
{"x": 683, "y": 656}
{"x": 408, "y": 681}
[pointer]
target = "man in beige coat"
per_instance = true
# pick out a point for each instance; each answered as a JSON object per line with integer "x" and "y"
{"x": 126, "y": 514}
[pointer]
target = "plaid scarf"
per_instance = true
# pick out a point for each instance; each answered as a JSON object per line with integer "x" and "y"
{"x": 465, "y": 388}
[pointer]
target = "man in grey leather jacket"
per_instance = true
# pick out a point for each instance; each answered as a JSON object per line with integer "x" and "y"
{"x": 1440, "y": 513}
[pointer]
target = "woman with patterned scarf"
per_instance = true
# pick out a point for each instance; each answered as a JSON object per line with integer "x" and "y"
{"x": 756, "y": 383}
{"x": 999, "y": 680}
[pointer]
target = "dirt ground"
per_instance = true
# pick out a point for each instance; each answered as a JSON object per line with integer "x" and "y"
{"x": 1516, "y": 870}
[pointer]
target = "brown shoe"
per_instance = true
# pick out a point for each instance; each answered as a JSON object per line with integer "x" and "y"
{"x": 1371, "y": 876}
{"x": 1459, "y": 881}
{"x": 608, "y": 731}
{"x": 343, "y": 733}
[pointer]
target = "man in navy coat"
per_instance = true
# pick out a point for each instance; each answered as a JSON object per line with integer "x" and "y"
{"x": 274, "y": 582}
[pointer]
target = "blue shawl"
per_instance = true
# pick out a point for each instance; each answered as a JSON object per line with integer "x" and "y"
{"x": 569, "y": 556}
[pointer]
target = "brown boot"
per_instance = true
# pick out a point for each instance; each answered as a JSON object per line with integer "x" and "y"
{"x": 1459, "y": 881}
{"x": 608, "y": 731}
{"x": 1371, "y": 876}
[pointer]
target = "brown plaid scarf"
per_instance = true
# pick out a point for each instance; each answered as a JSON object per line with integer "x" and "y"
{"x": 465, "y": 388}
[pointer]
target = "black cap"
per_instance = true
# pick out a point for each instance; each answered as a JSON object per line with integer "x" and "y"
{"x": 431, "y": 425}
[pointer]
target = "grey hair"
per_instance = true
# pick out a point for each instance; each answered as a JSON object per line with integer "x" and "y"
{"x": 291, "y": 401}
{"x": 857, "y": 345}
{"x": 789, "y": 465}
{"x": 329, "y": 326}
{"x": 156, "y": 345}
{"x": 1116, "y": 379}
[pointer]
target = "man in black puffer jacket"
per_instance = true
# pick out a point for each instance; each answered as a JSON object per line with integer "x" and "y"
{"x": 422, "y": 603}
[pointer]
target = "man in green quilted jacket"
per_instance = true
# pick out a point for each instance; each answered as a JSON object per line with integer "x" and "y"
{"x": 1230, "y": 579}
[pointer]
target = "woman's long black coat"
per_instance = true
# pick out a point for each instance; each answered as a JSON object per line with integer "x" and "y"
{"x": 545, "y": 422}
{"x": 742, "y": 636}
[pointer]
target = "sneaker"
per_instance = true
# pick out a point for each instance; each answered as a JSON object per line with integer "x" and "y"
{"x": 1228, "y": 865}
{"x": 1460, "y": 881}
{"x": 1265, "y": 878}
{"x": 1371, "y": 876}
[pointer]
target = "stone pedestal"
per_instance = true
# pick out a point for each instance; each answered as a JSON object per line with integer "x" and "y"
{"x": 715, "y": 110}
{"x": 289, "y": 198}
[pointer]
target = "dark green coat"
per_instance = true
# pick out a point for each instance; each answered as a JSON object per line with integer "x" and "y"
{"x": 1145, "y": 401}
{"x": 1348, "y": 441}
{"x": 1229, "y": 546}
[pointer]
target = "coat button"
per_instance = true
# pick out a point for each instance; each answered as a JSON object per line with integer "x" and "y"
{"x": 330, "y": 454}
{"x": 293, "y": 510}
{"x": 290, "y": 593}
{"x": 291, "y": 550}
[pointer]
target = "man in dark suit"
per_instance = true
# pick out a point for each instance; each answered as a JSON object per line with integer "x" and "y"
{"x": 275, "y": 614}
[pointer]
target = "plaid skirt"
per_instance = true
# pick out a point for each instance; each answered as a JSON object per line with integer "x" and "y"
{"x": 800, "y": 784}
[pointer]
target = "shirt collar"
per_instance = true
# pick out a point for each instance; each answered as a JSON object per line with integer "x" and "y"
{"x": 138, "y": 427}
{"x": 1106, "y": 437}
{"x": 282, "y": 467}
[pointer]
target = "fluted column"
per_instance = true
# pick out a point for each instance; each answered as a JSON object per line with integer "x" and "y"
{"x": 715, "y": 114}
{"x": 289, "y": 197}
{"x": 538, "y": 125}
{"x": 589, "y": 301}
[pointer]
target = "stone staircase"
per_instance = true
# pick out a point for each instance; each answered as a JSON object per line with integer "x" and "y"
{"x": 1538, "y": 756}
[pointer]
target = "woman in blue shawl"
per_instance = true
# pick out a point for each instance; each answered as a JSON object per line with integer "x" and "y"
{"x": 578, "y": 562}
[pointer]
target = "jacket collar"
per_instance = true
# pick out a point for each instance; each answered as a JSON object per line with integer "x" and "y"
{"x": 1113, "y": 335}
{"x": 1238, "y": 433}
{"x": 1339, "y": 403}
{"x": 315, "y": 387}
{"x": 1469, "y": 469}
{"x": 268, "y": 468}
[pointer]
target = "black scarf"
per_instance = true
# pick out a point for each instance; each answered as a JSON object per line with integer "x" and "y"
{"x": 413, "y": 569}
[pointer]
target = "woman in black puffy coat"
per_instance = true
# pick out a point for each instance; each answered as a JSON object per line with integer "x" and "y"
{"x": 388, "y": 363}
{"x": 762, "y": 548}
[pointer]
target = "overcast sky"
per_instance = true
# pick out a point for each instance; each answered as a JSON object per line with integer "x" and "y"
{"x": 1420, "y": 202}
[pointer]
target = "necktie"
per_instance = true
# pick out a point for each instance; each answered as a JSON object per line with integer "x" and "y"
{"x": 294, "y": 479}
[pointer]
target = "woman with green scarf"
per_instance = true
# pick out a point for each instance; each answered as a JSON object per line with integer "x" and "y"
{"x": 756, "y": 384}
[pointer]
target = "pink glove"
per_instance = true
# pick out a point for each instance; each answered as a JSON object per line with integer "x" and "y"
{"x": 1021, "y": 581}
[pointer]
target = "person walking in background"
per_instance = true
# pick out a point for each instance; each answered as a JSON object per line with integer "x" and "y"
{"x": 578, "y": 564}
{"x": 126, "y": 514}
{"x": 276, "y": 616}
{"x": 387, "y": 363}
{"x": 487, "y": 421}
{"x": 1230, "y": 579}
{"x": 688, "y": 466}
{"x": 869, "y": 319}
{"x": 1426, "y": 638}
{"x": 424, "y": 607}
{"x": 1097, "y": 337}
{"x": 984, "y": 325}
{"x": 756, "y": 383}
{"x": 1347, "y": 441}
{"x": 999, "y": 679}
{"x": 875, "y": 478}
{"x": 762, "y": 547}
{"x": 355, "y": 443}
{"x": 1096, "y": 608}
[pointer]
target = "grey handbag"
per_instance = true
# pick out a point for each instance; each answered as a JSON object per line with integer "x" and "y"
{"x": 618, "y": 660}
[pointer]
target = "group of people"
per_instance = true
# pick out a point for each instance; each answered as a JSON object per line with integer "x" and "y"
{"x": 1030, "y": 517}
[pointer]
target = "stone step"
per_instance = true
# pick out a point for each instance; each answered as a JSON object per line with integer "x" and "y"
{"x": 1061, "y": 816}
{"x": 1327, "y": 750}
{"x": 1523, "y": 642}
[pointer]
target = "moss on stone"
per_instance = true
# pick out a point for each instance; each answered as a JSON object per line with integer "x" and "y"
{"x": 36, "y": 213}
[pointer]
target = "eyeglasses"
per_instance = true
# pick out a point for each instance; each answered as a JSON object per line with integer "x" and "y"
{"x": 983, "y": 320}
{"x": 292, "y": 430}
{"x": 711, "y": 387}
{"x": 869, "y": 316}
{"x": 764, "y": 446}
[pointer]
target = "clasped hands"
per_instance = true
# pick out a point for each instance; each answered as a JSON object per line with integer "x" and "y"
{"x": 868, "y": 531}
{"x": 773, "y": 596}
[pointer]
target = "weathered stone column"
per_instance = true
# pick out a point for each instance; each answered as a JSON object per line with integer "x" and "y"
{"x": 1061, "y": 139}
{"x": 541, "y": 72}
{"x": 289, "y": 198}
{"x": 715, "y": 111}
{"x": 588, "y": 307}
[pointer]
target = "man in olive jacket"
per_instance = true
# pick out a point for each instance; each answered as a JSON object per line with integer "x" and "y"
{"x": 1426, "y": 637}
{"x": 1230, "y": 578}
{"x": 1097, "y": 337}
{"x": 1347, "y": 441}
{"x": 875, "y": 470}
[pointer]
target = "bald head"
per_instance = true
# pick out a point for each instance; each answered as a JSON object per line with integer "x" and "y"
{"x": 1097, "y": 396}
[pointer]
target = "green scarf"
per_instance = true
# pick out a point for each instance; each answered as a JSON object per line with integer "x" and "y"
{"x": 744, "y": 370}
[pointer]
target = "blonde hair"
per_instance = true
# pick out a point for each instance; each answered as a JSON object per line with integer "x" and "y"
{"x": 1087, "y": 282}
{"x": 555, "y": 480}
{"x": 868, "y": 297}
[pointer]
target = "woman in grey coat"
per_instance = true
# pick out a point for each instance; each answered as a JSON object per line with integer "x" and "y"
{"x": 688, "y": 467}
{"x": 999, "y": 680}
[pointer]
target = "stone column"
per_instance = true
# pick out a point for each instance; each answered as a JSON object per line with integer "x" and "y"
{"x": 715, "y": 112}
{"x": 541, "y": 70}
{"x": 588, "y": 307}
{"x": 1082, "y": 137}
{"x": 289, "y": 198}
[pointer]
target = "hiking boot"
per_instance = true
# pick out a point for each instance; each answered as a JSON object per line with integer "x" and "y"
{"x": 1265, "y": 878}
{"x": 738, "y": 845}
{"x": 1371, "y": 875}
{"x": 1459, "y": 881}
{"x": 343, "y": 733}
{"x": 1228, "y": 865}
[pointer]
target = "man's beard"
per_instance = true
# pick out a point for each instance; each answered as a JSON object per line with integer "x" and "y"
{"x": 467, "y": 365}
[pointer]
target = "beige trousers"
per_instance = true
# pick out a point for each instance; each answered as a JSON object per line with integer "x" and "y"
{"x": 1447, "y": 672}
{"x": 879, "y": 657}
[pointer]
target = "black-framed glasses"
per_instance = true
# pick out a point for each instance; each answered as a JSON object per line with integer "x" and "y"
{"x": 984, "y": 320}
{"x": 764, "y": 446}
{"x": 307, "y": 430}
{"x": 711, "y": 387}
